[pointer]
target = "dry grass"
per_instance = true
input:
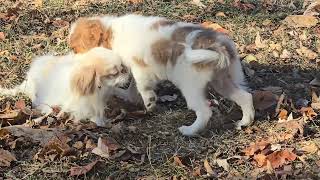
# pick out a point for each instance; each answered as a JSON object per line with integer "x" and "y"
{"x": 33, "y": 33}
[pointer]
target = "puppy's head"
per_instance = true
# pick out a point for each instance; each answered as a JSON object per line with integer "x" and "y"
{"x": 87, "y": 33}
{"x": 98, "y": 70}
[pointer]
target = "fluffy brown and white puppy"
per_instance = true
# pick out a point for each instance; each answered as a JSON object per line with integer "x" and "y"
{"x": 188, "y": 55}
{"x": 78, "y": 84}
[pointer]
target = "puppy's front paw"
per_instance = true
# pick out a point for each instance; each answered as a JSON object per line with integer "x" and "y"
{"x": 187, "y": 131}
{"x": 151, "y": 104}
{"x": 242, "y": 123}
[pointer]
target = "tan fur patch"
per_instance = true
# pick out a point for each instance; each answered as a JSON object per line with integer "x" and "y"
{"x": 84, "y": 81}
{"x": 203, "y": 41}
{"x": 208, "y": 40}
{"x": 107, "y": 38}
{"x": 88, "y": 77}
{"x": 161, "y": 51}
{"x": 181, "y": 33}
{"x": 89, "y": 34}
{"x": 140, "y": 62}
{"x": 208, "y": 66}
{"x": 177, "y": 50}
{"x": 165, "y": 50}
{"x": 161, "y": 23}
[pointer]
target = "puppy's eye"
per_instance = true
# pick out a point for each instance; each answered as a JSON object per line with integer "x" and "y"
{"x": 111, "y": 75}
{"x": 114, "y": 74}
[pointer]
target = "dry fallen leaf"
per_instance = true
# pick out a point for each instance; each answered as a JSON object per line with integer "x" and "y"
{"x": 220, "y": 14}
{"x": 78, "y": 145}
{"x": 20, "y": 104}
{"x": 105, "y": 147}
{"x": 80, "y": 170}
{"x": 283, "y": 115}
{"x": 208, "y": 167}
{"x": 261, "y": 159}
{"x": 305, "y": 52}
{"x": 285, "y": 54}
{"x": 244, "y": 6}
{"x": 313, "y": 8}
{"x": 4, "y": 133}
{"x": 198, "y": 3}
{"x": 308, "y": 112}
{"x": 280, "y": 158}
{"x": 90, "y": 145}
{"x": 297, "y": 21}
{"x": 266, "y": 22}
{"x": 294, "y": 126}
{"x": 309, "y": 147}
{"x": 60, "y": 23}
{"x": 36, "y": 135}
{"x": 55, "y": 149}
{"x": 13, "y": 117}
{"x": 135, "y": 1}
{"x": 6, "y": 158}
{"x": 258, "y": 42}
{"x": 211, "y": 25}
{"x": 223, "y": 163}
{"x": 264, "y": 99}
{"x": 214, "y": 26}
{"x": 196, "y": 172}
{"x": 177, "y": 161}
{"x": 2, "y": 36}
{"x": 255, "y": 147}
{"x": 315, "y": 106}
{"x": 38, "y": 3}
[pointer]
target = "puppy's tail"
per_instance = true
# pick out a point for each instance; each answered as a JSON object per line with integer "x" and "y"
{"x": 14, "y": 91}
{"x": 205, "y": 56}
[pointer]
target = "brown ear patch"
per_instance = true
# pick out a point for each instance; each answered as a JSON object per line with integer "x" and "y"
{"x": 83, "y": 82}
{"x": 161, "y": 23}
{"x": 165, "y": 50}
{"x": 89, "y": 33}
{"x": 181, "y": 33}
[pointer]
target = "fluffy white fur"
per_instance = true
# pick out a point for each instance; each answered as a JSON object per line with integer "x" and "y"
{"x": 133, "y": 36}
{"x": 78, "y": 84}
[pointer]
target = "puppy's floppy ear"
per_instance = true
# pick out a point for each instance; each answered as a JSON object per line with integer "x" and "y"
{"x": 84, "y": 82}
{"x": 87, "y": 34}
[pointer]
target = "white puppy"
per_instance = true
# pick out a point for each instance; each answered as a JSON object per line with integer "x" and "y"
{"x": 78, "y": 84}
{"x": 155, "y": 49}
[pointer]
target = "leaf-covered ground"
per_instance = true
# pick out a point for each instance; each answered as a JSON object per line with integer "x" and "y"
{"x": 280, "y": 57}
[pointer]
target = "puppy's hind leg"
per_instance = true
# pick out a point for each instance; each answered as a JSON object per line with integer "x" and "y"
{"x": 194, "y": 94}
{"x": 227, "y": 88}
